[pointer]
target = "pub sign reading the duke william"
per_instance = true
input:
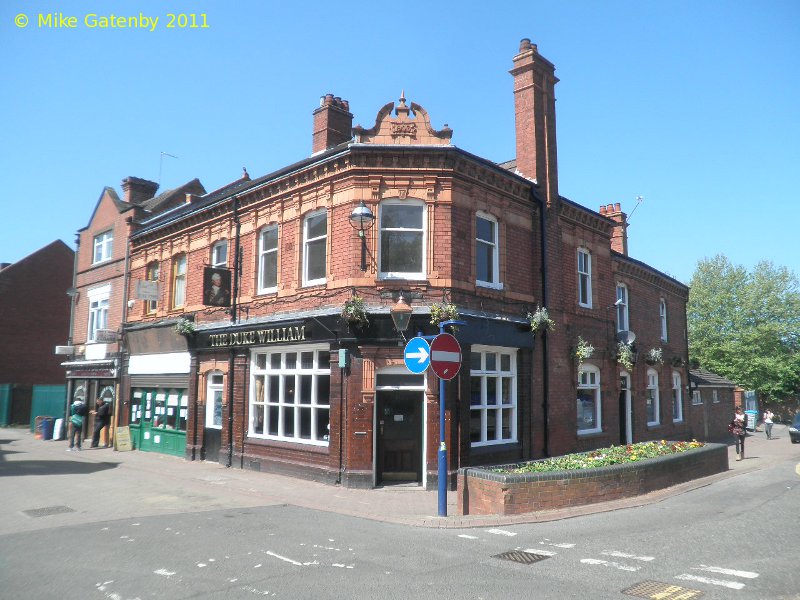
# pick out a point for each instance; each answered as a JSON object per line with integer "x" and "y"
{"x": 216, "y": 287}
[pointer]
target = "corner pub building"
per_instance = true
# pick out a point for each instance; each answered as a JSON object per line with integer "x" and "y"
{"x": 399, "y": 218}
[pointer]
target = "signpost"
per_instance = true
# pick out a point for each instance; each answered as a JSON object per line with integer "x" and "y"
{"x": 417, "y": 355}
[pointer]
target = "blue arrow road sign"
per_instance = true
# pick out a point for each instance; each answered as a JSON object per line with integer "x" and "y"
{"x": 417, "y": 355}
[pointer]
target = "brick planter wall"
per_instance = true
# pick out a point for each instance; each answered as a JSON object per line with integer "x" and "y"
{"x": 483, "y": 492}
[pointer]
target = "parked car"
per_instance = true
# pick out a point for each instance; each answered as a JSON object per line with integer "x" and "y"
{"x": 794, "y": 429}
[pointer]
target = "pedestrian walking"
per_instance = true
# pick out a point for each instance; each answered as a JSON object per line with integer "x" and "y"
{"x": 76, "y": 413}
{"x": 738, "y": 427}
{"x": 768, "y": 423}
{"x": 102, "y": 417}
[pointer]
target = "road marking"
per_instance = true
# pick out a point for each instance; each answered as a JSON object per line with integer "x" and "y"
{"x": 540, "y": 551}
{"x": 341, "y": 566}
{"x": 623, "y": 555}
{"x": 164, "y": 572}
{"x": 501, "y": 532}
{"x": 289, "y": 560}
{"x": 606, "y": 563}
{"x": 557, "y": 545}
{"x": 468, "y": 537}
{"x": 723, "y": 571}
{"x": 734, "y": 585}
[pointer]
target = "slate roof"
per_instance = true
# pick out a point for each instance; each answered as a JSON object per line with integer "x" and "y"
{"x": 173, "y": 197}
{"x": 708, "y": 379}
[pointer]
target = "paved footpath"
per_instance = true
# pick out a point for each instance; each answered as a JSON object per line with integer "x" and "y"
{"x": 43, "y": 486}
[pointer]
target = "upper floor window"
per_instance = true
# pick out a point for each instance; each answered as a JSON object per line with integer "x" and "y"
{"x": 677, "y": 398}
{"x": 219, "y": 254}
{"x": 103, "y": 245}
{"x": 584, "y": 278}
{"x": 622, "y": 307}
{"x": 653, "y": 398}
{"x": 402, "y": 239}
{"x": 662, "y": 311}
{"x": 152, "y": 275}
{"x": 268, "y": 260}
{"x": 179, "y": 281}
{"x": 98, "y": 311}
{"x": 486, "y": 251}
{"x": 696, "y": 397}
{"x": 589, "y": 399}
{"x": 315, "y": 246}
{"x": 493, "y": 395}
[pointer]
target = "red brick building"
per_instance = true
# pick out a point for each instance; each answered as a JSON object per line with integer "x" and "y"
{"x": 280, "y": 381}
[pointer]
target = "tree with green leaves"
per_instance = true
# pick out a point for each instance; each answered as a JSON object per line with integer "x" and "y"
{"x": 746, "y": 325}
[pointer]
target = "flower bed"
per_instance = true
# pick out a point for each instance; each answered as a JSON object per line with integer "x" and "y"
{"x": 521, "y": 488}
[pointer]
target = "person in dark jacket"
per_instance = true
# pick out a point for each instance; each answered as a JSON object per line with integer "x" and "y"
{"x": 102, "y": 418}
{"x": 76, "y": 414}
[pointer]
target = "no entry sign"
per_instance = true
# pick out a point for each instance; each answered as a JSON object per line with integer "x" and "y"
{"x": 445, "y": 356}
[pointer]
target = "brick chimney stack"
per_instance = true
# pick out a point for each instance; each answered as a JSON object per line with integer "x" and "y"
{"x": 619, "y": 237}
{"x": 333, "y": 123}
{"x": 138, "y": 190}
{"x": 535, "y": 115}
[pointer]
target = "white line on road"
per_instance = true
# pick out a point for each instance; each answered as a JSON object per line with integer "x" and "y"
{"x": 723, "y": 571}
{"x": 623, "y": 555}
{"x": 468, "y": 537}
{"x": 606, "y": 563}
{"x": 540, "y": 551}
{"x": 501, "y": 532}
{"x": 557, "y": 545}
{"x": 164, "y": 572}
{"x": 289, "y": 560}
{"x": 734, "y": 585}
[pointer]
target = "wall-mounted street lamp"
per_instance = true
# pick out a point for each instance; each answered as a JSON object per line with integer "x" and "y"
{"x": 401, "y": 314}
{"x": 362, "y": 220}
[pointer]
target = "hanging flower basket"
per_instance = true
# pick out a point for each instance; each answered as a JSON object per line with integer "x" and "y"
{"x": 654, "y": 356}
{"x": 354, "y": 312}
{"x": 583, "y": 351}
{"x": 625, "y": 355}
{"x": 446, "y": 311}
{"x": 540, "y": 320}
{"x": 185, "y": 326}
{"x": 678, "y": 362}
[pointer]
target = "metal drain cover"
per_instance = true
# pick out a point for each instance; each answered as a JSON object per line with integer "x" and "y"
{"x": 47, "y": 511}
{"x": 518, "y": 556}
{"x": 662, "y": 591}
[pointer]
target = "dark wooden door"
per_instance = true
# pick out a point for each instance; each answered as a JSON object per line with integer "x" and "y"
{"x": 399, "y": 447}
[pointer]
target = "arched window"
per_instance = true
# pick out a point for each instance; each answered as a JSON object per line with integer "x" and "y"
{"x": 677, "y": 397}
{"x": 589, "y": 409}
{"x": 653, "y": 399}
{"x": 402, "y": 239}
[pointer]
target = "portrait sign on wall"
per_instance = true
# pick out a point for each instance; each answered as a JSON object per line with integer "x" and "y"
{"x": 216, "y": 287}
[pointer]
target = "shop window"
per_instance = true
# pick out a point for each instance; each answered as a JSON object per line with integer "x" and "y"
{"x": 402, "y": 239}
{"x": 179, "y": 281}
{"x": 677, "y": 398}
{"x": 98, "y": 311}
{"x": 290, "y": 395}
{"x": 589, "y": 399}
{"x": 486, "y": 251}
{"x": 493, "y": 395}
{"x": 315, "y": 247}
{"x": 653, "y": 398}
{"x": 268, "y": 260}
{"x": 584, "y": 278}
{"x": 214, "y": 395}
{"x": 103, "y": 245}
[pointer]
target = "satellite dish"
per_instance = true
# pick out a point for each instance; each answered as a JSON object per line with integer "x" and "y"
{"x": 626, "y": 337}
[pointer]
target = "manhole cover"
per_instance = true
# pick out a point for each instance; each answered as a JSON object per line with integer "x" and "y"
{"x": 47, "y": 511}
{"x": 518, "y": 556}
{"x": 661, "y": 591}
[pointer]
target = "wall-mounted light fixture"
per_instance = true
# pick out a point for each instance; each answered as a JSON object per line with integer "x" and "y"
{"x": 401, "y": 314}
{"x": 362, "y": 220}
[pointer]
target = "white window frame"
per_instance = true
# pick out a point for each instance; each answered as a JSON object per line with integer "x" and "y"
{"x": 98, "y": 311}
{"x": 307, "y": 241}
{"x": 715, "y": 396}
{"x": 697, "y": 397}
{"x": 677, "y": 397}
{"x": 662, "y": 311}
{"x": 216, "y": 250}
{"x": 653, "y": 395}
{"x": 103, "y": 247}
{"x": 215, "y": 384}
{"x": 316, "y": 406}
{"x": 263, "y": 255}
{"x": 382, "y": 274}
{"x": 589, "y": 379}
{"x": 177, "y": 261}
{"x": 623, "y": 316}
{"x": 152, "y": 272}
{"x": 584, "y": 268}
{"x": 494, "y": 245}
{"x": 503, "y": 405}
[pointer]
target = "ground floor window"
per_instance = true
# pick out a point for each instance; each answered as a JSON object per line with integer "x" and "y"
{"x": 159, "y": 408}
{"x": 214, "y": 393}
{"x": 677, "y": 398}
{"x": 589, "y": 399}
{"x": 290, "y": 394}
{"x": 493, "y": 395}
{"x": 653, "y": 401}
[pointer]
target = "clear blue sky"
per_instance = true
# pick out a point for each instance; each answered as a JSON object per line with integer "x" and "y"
{"x": 694, "y": 105}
